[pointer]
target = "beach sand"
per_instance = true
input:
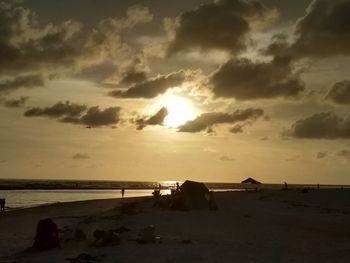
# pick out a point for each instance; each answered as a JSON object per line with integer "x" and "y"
{"x": 266, "y": 226}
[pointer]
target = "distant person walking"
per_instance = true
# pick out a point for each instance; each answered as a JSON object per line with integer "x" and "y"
{"x": 2, "y": 204}
{"x": 123, "y": 192}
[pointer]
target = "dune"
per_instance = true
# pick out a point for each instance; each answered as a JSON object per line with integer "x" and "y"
{"x": 265, "y": 226}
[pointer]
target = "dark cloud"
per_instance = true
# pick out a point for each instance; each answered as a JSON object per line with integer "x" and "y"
{"x": 134, "y": 73}
{"x": 60, "y": 109}
{"x": 26, "y": 81}
{"x": 95, "y": 117}
{"x": 344, "y": 153}
{"x": 325, "y": 30}
{"x": 26, "y": 45}
{"x": 78, "y": 114}
{"x": 206, "y": 121}
{"x": 153, "y": 87}
{"x": 81, "y": 156}
{"x": 156, "y": 119}
{"x": 321, "y": 155}
{"x": 238, "y": 128}
{"x": 340, "y": 92}
{"x": 325, "y": 125}
{"x": 243, "y": 79}
{"x": 222, "y": 25}
{"x": 132, "y": 76}
{"x": 16, "y": 103}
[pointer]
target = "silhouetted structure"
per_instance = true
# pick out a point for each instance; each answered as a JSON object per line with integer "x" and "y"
{"x": 193, "y": 195}
{"x": 250, "y": 181}
{"x": 46, "y": 235}
{"x": 2, "y": 204}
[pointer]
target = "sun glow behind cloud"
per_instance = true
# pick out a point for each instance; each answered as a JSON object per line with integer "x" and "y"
{"x": 180, "y": 110}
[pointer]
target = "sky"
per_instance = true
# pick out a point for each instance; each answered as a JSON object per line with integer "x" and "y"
{"x": 151, "y": 90}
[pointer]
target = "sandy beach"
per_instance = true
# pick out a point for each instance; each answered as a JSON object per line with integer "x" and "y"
{"x": 265, "y": 226}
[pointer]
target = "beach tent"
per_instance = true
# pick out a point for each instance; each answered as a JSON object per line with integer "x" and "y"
{"x": 193, "y": 195}
{"x": 250, "y": 181}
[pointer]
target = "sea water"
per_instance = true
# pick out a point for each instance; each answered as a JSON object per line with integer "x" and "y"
{"x": 28, "y": 198}
{"x": 29, "y": 193}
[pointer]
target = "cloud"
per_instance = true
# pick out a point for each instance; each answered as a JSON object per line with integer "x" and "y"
{"x": 238, "y": 128}
{"x": 26, "y": 45}
{"x": 325, "y": 125}
{"x": 156, "y": 119}
{"x": 25, "y": 81}
{"x": 96, "y": 117}
{"x": 243, "y": 79}
{"x": 206, "y": 121}
{"x": 16, "y": 103}
{"x": 321, "y": 155}
{"x": 226, "y": 158}
{"x": 133, "y": 76}
{"x": 344, "y": 153}
{"x": 222, "y": 25}
{"x": 151, "y": 88}
{"x": 81, "y": 156}
{"x": 324, "y": 30}
{"x": 134, "y": 73}
{"x": 78, "y": 114}
{"x": 60, "y": 109}
{"x": 340, "y": 92}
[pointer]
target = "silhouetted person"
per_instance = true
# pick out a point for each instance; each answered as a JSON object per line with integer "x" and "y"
{"x": 2, "y": 204}
{"x": 177, "y": 186}
{"x": 285, "y": 186}
{"x": 46, "y": 235}
{"x": 123, "y": 192}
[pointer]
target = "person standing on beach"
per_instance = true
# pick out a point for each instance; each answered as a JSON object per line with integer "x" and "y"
{"x": 123, "y": 192}
{"x": 2, "y": 204}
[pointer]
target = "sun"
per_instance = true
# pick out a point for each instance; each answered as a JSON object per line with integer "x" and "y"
{"x": 180, "y": 110}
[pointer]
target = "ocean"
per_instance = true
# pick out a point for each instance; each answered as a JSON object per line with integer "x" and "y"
{"x": 30, "y": 193}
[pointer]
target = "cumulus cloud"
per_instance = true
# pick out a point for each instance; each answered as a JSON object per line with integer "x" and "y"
{"x": 60, "y": 109}
{"x": 243, "y": 79}
{"x": 81, "y": 156}
{"x": 25, "y": 81}
{"x": 16, "y": 103}
{"x": 222, "y": 25}
{"x": 27, "y": 45}
{"x": 156, "y": 119}
{"x": 324, "y": 30}
{"x": 340, "y": 92}
{"x": 136, "y": 72}
{"x": 325, "y": 125}
{"x": 152, "y": 87}
{"x": 206, "y": 121}
{"x": 95, "y": 117}
{"x": 78, "y": 114}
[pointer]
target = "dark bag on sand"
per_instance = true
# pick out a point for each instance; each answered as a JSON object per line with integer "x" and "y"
{"x": 46, "y": 235}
